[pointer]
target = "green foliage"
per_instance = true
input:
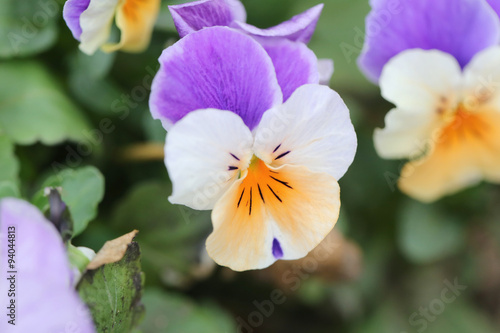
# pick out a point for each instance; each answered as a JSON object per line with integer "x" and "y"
{"x": 113, "y": 293}
{"x": 171, "y": 236}
{"x": 33, "y": 107}
{"x": 9, "y": 169}
{"x": 173, "y": 313}
{"x": 27, "y": 27}
{"x": 82, "y": 190}
{"x": 427, "y": 234}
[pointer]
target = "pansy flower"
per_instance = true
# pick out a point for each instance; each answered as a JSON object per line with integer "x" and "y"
{"x": 282, "y": 42}
{"x": 461, "y": 28}
{"x": 446, "y": 120}
{"x": 91, "y": 21}
{"x": 44, "y": 298}
{"x": 267, "y": 169}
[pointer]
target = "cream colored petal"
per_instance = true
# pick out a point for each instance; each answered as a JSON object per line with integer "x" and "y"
{"x": 423, "y": 85}
{"x": 135, "y": 19}
{"x": 467, "y": 151}
{"x": 96, "y": 22}
{"x": 482, "y": 79}
{"x": 407, "y": 133}
{"x": 291, "y": 206}
{"x": 418, "y": 79}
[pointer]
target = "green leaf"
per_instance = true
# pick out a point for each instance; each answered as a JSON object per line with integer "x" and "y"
{"x": 27, "y": 27}
{"x": 427, "y": 235}
{"x": 9, "y": 189}
{"x": 113, "y": 293}
{"x": 82, "y": 190}
{"x": 89, "y": 82}
{"x": 172, "y": 237}
{"x": 173, "y": 313}
{"x": 461, "y": 317}
{"x": 9, "y": 169}
{"x": 33, "y": 108}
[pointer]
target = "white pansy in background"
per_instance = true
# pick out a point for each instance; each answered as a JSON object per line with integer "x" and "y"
{"x": 91, "y": 21}
{"x": 446, "y": 121}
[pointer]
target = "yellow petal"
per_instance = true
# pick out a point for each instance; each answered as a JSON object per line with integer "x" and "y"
{"x": 135, "y": 19}
{"x": 291, "y": 204}
{"x": 467, "y": 151}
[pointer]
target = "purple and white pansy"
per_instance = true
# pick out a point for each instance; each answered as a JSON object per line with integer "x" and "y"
{"x": 90, "y": 22}
{"x": 268, "y": 168}
{"x": 43, "y": 278}
{"x": 461, "y": 28}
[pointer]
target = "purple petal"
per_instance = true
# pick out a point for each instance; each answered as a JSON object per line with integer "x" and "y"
{"x": 299, "y": 28}
{"x": 277, "y": 251}
{"x": 459, "y": 27}
{"x": 45, "y": 299}
{"x": 72, "y": 11}
{"x": 495, "y": 4}
{"x": 194, "y": 16}
{"x": 294, "y": 62}
{"x": 217, "y": 68}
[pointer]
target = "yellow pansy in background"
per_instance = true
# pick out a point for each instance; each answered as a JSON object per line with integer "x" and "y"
{"x": 91, "y": 21}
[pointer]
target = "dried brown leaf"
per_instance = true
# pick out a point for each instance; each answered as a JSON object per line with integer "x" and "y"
{"x": 112, "y": 251}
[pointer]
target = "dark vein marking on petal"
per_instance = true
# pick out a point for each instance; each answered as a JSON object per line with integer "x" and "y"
{"x": 241, "y": 196}
{"x": 260, "y": 192}
{"x": 250, "y": 209}
{"x": 282, "y": 155}
{"x": 278, "y": 147}
{"x": 274, "y": 193}
{"x": 282, "y": 182}
{"x": 234, "y": 156}
{"x": 231, "y": 168}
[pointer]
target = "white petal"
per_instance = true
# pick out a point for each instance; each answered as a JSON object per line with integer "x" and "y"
{"x": 482, "y": 77}
{"x": 407, "y": 133}
{"x": 420, "y": 83}
{"x": 96, "y": 23}
{"x": 418, "y": 79}
{"x": 326, "y": 68}
{"x": 312, "y": 128}
{"x": 199, "y": 153}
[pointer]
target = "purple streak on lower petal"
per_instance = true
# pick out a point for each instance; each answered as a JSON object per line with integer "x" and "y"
{"x": 193, "y": 16}
{"x": 219, "y": 68}
{"x": 459, "y": 27}
{"x": 277, "y": 250}
{"x": 44, "y": 275}
{"x": 72, "y": 11}
{"x": 294, "y": 62}
{"x": 299, "y": 28}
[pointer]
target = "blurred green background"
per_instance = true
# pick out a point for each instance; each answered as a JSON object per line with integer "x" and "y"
{"x": 398, "y": 265}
